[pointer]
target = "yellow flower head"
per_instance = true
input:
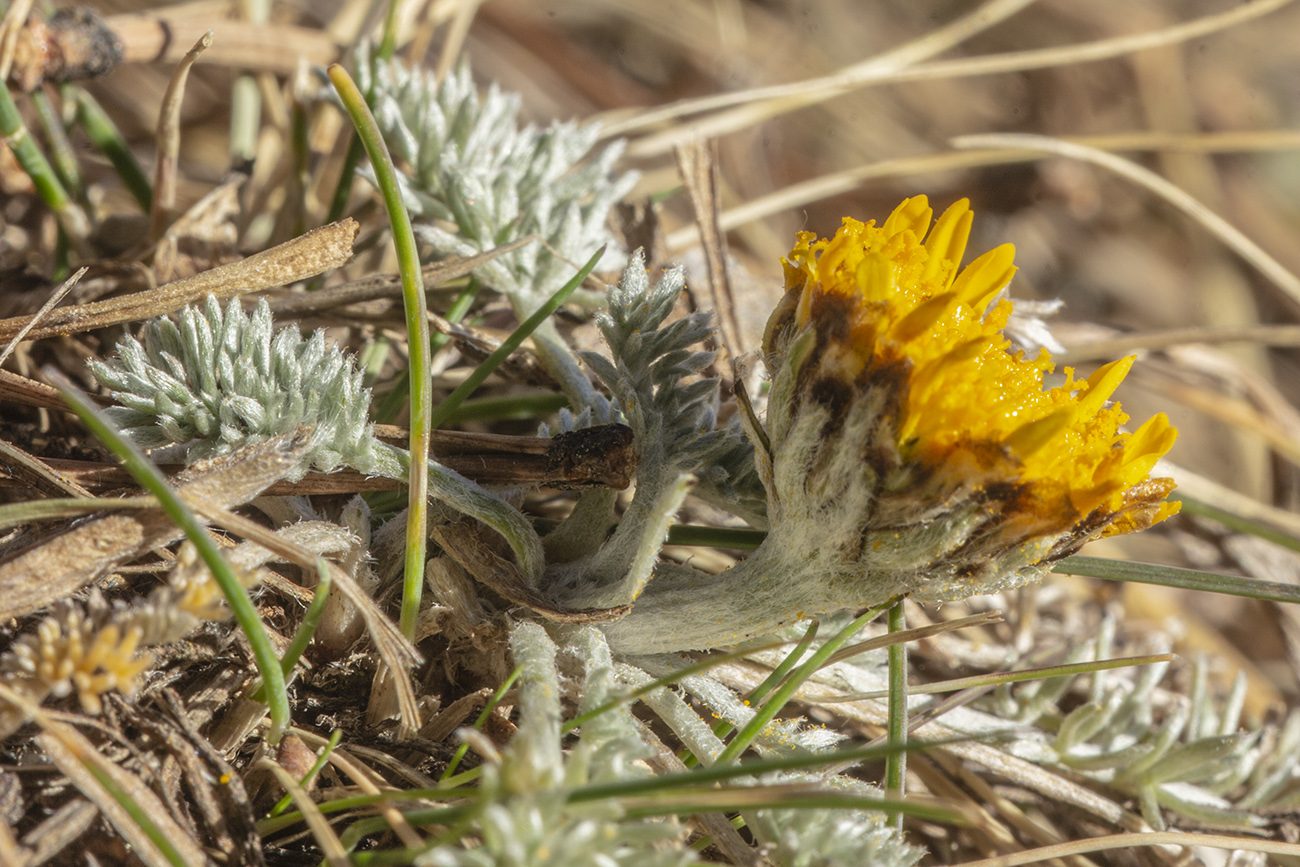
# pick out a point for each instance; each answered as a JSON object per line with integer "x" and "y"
{"x": 901, "y": 416}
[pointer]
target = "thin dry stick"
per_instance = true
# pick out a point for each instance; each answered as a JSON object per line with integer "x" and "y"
{"x": 45, "y": 308}
{"x": 796, "y": 195}
{"x": 159, "y": 37}
{"x": 810, "y": 91}
{"x": 306, "y": 256}
{"x": 456, "y": 33}
{"x": 1216, "y": 225}
{"x": 1261, "y": 335}
{"x": 336, "y": 855}
{"x": 788, "y": 97}
{"x": 93, "y": 774}
{"x": 39, "y": 575}
{"x": 388, "y": 285}
{"x": 1133, "y": 841}
{"x": 397, "y": 653}
{"x": 1209, "y": 491}
{"x": 10, "y": 27}
{"x": 792, "y": 197}
{"x": 698, "y": 164}
{"x": 342, "y": 760}
{"x": 169, "y": 141}
{"x": 38, "y": 474}
{"x": 598, "y": 456}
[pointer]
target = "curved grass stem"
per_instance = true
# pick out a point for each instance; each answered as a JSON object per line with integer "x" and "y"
{"x": 241, "y": 606}
{"x": 417, "y": 329}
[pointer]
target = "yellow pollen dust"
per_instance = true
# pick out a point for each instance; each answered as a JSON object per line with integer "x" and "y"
{"x": 906, "y": 299}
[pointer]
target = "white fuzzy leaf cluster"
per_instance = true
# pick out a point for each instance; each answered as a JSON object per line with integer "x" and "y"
{"x": 223, "y": 379}
{"x": 472, "y": 164}
{"x": 653, "y": 371}
{"x": 1196, "y": 760}
{"x": 831, "y": 838}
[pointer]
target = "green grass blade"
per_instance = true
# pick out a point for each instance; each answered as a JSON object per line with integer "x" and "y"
{"x": 782, "y": 695}
{"x": 152, "y": 480}
{"x": 896, "y": 761}
{"x": 417, "y": 330}
{"x": 106, "y": 138}
{"x": 1172, "y": 576}
{"x": 452, "y": 401}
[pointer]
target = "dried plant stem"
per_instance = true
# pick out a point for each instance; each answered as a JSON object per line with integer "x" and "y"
{"x": 50, "y": 303}
{"x": 811, "y": 91}
{"x": 241, "y": 606}
{"x": 768, "y": 102}
{"x": 169, "y": 141}
{"x": 1019, "y": 676}
{"x": 837, "y": 183}
{"x": 1229, "y": 234}
{"x": 319, "y": 250}
{"x": 1134, "y": 840}
{"x": 331, "y": 847}
{"x": 417, "y": 329}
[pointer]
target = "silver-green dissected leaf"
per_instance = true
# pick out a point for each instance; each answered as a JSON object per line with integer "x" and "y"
{"x": 654, "y": 372}
{"x": 222, "y": 379}
{"x": 476, "y": 177}
{"x": 526, "y": 818}
{"x": 474, "y": 165}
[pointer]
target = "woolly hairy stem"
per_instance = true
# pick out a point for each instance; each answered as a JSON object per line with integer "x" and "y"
{"x": 417, "y": 329}
{"x": 619, "y": 571}
{"x": 685, "y": 609}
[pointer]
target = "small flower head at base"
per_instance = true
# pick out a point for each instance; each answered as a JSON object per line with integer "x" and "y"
{"x": 912, "y": 448}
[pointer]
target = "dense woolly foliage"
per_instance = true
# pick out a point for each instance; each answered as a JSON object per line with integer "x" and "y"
{"x": 222, "y": 379}
{"x": 656, "y": 374}
{"x": 219, "y": 379}
{"x": 470, "y": 163}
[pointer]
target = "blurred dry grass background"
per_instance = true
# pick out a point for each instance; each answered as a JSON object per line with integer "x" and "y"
{"x": 1121, "y": 259}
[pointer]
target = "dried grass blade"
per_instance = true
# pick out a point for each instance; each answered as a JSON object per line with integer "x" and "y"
{"x": 331, "y": 847}
{"x": 306, "y": 256}
{"x": 169, "y": 140}
{"x": 40, "y": 575}
{"x": 389, "y": 285}
{"x": 397, "y": 653}
{"x": 697, "y": 162}
{"x": 128, "y": 804}
{"x": 49, "y": 305}
{"x": 1229, "y": 234}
